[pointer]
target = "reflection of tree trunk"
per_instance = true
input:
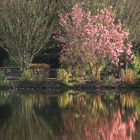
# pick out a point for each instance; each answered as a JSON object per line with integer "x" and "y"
{"x": 24, "y": 123}
{"x": 128, "y": 100}
{"x": 97, "y": 105}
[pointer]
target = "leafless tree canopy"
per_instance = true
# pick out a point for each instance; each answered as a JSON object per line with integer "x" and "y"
{"x": 25, "y": 27}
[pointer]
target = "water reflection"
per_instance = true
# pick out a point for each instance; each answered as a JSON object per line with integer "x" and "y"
{"x": 128, "y": 99}
{"x": 91, "y": 128}
{"x": 76, "y": 116}
{"x": 24, "y": 123}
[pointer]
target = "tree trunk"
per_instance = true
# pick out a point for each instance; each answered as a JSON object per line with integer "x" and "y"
{"x": 95, "y": 71}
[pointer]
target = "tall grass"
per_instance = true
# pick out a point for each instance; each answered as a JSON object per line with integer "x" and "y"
{"x": 128, "y": 76}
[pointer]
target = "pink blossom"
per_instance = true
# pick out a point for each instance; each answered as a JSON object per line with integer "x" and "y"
{"x": 101, "y": 38}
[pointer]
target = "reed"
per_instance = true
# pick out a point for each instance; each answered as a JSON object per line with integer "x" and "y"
{"x": 128, "y": 76}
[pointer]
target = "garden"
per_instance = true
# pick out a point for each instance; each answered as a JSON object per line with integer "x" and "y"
{"x": 96, "y": 48}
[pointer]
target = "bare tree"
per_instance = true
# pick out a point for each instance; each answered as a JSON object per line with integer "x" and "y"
{"x": 25, "y": 27}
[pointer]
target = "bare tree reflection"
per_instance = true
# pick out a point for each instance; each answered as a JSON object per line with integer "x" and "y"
{"x": 25, "y": 123}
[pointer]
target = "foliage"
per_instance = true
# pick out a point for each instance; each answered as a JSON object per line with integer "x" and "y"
{"x": 26, "y": 26}
{"x": 110, "y": 79}
{"x": 35, "y": 74}
{"x": 126, "y": 10}
{"x": 27, "y": 75}
{"x": 78, "y": 73}
{"x": 39, "y": 71}
{"x": 63, "y": 75}
{"x": 136, "y": 63}
{"x": 128, "y": 76}
{"x": 3, "y": 79}
{"x": 92, "y": 40}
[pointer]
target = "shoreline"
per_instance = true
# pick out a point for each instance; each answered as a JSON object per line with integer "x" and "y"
{"x": 61, "y": 86}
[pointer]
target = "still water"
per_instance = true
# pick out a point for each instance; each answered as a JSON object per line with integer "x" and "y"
{"x": 109, "y": 115}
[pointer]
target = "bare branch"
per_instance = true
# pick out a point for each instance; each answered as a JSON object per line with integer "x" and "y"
{"x": 25, "y": 27}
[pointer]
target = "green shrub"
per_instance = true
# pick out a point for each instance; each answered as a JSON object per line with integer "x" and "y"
{"x": 63, "y": 75}
{"x": 3, "y": 79}
{"x": 27, "y": 75}
{"x": 110, "y": 80}
{"x": 35, "y": 74}
{"x": 136, "y": 64}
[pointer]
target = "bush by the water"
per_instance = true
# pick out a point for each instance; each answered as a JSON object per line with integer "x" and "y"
{"x": 128, "y": 76}
{"x": 63, "y": 75}
{"x": 3, "y": 79}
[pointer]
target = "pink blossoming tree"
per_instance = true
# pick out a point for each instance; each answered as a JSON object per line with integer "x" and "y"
{"x": 92, "y": 40}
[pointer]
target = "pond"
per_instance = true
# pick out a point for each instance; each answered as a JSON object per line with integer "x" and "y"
{"x": 108, "y": 115}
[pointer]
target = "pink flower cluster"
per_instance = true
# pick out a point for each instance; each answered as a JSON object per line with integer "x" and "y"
{"x": 96, "y": 38}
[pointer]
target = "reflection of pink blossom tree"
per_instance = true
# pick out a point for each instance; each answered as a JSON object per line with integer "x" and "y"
{"x": 118, "y": 128}
{"x": 90, "y": 128}
{"x": 92, "y": 40}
